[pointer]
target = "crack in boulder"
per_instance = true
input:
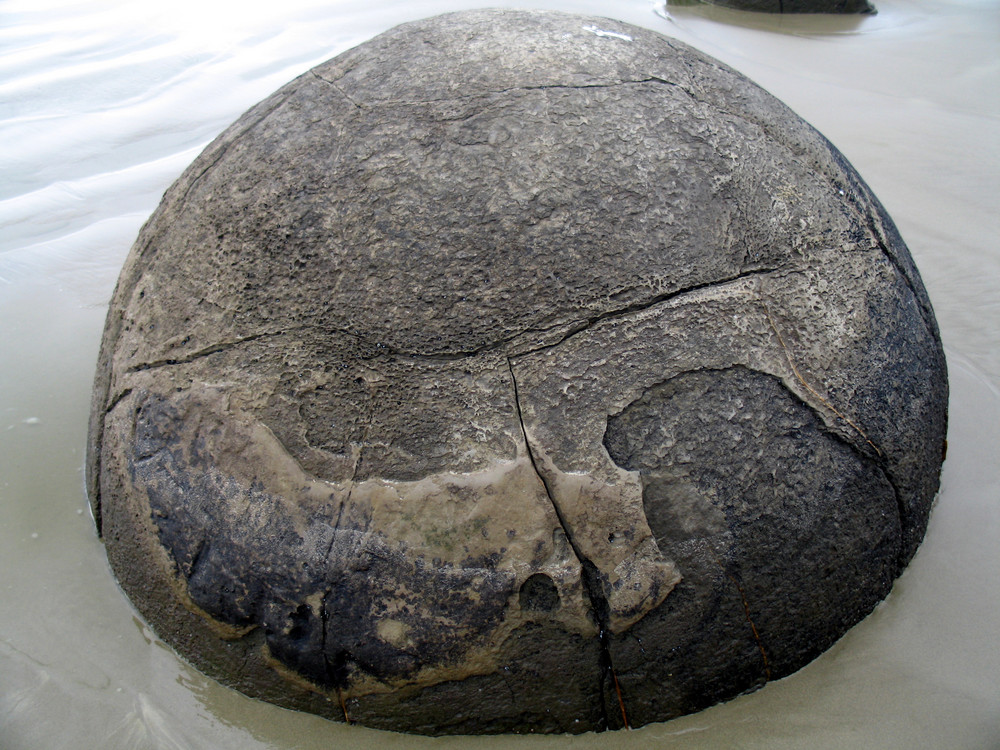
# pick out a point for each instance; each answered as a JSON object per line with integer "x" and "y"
{"x": 593, "y": 587}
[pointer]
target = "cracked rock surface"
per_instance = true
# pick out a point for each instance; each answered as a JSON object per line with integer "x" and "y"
{"x": 514, "y": 371}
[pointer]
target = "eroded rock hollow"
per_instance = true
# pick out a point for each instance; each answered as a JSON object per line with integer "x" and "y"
{"x": 514, "y": 371}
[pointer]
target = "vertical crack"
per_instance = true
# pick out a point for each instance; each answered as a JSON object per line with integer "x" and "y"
{"x": 584, "y": 561}
{"x": 746, "y": 613}
{"x": 753, "y": 628}
{"x": 589, "y": 573}
{"x": 791, "y": 363}
{"x": 363, "y": 441}
{"x": 334, "y": 669}
{"x": 196, "y": 558}
{"x": 95, "y": 428}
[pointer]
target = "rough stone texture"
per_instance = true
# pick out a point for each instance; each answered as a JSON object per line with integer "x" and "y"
{"x": 797, "y": 6}
{"x": 514, "y": 371}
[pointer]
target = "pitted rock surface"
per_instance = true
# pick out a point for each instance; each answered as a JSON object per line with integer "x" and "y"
{"x": 514, "y": 371}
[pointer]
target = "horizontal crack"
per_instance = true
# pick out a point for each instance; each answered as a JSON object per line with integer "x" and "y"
{"x": 572, "y": 328}
{"x": 208, "y": 350}
{"x": 496, "y": 92}
{"x": 646, "y": 305}
{"x": 581, "y": 86}
{"x": 576, "y": 327}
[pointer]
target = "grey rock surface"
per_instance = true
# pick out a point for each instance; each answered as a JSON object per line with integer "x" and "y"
{"x": 514, "y": 371}
{"x": 797, "y": 6}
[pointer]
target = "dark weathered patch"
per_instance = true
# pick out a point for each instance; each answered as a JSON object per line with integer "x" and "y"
{"x": 319, "y": 594}
{"x": 539, "y": 593}
{"x": 785, "y": 535}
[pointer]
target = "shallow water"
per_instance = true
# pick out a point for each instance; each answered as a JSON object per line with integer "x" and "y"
{"x": 102, "y": 104}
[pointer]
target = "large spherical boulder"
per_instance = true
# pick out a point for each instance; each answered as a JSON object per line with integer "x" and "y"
{"x": 514, "y": 371}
